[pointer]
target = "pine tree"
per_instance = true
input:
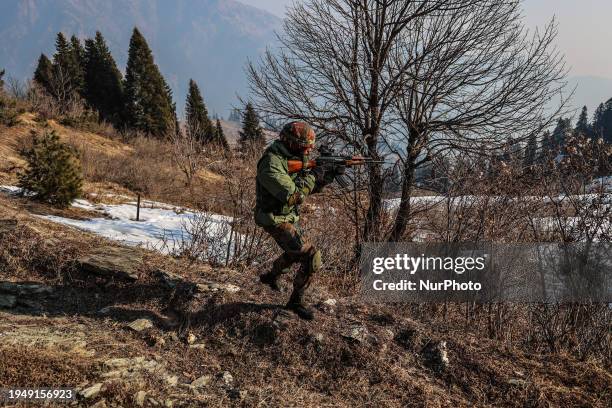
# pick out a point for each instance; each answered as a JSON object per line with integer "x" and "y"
{"x": 234, "y": 115}
{"x": 62, "y": 54}
{"x": 561, "y": 134}
{"x": 598, "y": 121}
{"x": 44, "y": 73}
{"x": 582, "y": 126}
{"x": 199, "y": 125}
{"x": 220, "y": 136}
{"x": 148, "y": 105}
{"x": 67, "y": 74}
{"x": 547, "y": 150}
{"x": 103, "y": 81}
{"x": 1, "y": 80}
{"x": 531, "y": 151}
{"x": 252, "y": 134}
{"x": 607, "y": 122}
{"x": 77, "y": 61}
{"x": 53, "y": 173}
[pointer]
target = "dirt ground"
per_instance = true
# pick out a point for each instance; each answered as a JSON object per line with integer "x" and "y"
{"x": 243, "y": 348}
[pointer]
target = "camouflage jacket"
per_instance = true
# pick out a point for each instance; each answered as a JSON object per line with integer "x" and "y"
{"x": 275, "y": 185}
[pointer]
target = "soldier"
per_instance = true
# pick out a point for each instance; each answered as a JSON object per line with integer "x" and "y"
{"x": 278, "y": 196}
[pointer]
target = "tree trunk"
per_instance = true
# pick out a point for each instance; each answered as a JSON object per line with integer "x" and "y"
{"x": 403, "y": 213}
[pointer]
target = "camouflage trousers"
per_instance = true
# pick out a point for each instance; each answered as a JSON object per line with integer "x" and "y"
{"x": 296, "y": 249}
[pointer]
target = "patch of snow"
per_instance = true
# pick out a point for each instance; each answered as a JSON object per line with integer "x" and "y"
{"x": 14, "y": 190}
{"x": 165, "y": 229}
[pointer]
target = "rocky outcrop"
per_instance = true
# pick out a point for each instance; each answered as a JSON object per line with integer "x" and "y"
{"x": 22, "y": 294}
{"x": 112, "y": 262}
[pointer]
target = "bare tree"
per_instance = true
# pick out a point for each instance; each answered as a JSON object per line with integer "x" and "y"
{"x": 390, "y": 76}
{"x": 187, "y": 152}
{"x": 481, "y": 82}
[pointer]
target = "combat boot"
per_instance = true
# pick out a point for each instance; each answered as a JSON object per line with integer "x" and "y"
{"x": 302, "y": 311}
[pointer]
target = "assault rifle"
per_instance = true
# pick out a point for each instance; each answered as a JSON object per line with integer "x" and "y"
{"x": 331, "y": 163}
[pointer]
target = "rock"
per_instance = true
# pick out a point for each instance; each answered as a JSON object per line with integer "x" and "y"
{"x": 7, "y": 301}
{"x": 436, "y": 355}
{"x": 227, "y": 378}
{"x": 29, "y": 304}
{"x": 105, "y": 310}
{"x": 217, "y": 287}
{"x": 328, "y": 306}
{"x": 359, "y": 334}
{"x": 118, "y": 363}
{"x": 198, "y": 346}
{"x": 139, "y": 398}
{"x": 169, "y": 279}
{"x": 191, "y": 338}
{"x": 331, "y": 302}
{"x": 171, "y": 380}
{"x": 140, "y": 325}
{"x": 201, "y": 381}
{"x": 517, "y": 382}
{"x": 112, "y": 262}
{"x": 21, "y": 289}
{"x": 7, "y": 226}
{"x": 92, "y": 391}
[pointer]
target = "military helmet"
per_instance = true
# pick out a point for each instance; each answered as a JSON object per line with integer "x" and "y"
{"x": 298, "y": 136}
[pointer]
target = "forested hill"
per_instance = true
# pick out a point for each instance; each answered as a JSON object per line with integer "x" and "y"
{"x": 207, "y": 40}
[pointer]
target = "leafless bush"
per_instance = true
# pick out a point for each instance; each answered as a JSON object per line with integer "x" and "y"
{"x": 503, "y": 202}
{"x": 204, "y": 237}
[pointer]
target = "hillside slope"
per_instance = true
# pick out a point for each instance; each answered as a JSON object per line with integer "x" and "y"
{"x": 243, "y": 348}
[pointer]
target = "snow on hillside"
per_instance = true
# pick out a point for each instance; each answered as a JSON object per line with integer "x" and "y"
{"x": 162, "y": 227}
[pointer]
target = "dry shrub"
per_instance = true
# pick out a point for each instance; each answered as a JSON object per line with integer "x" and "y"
{"x": 35, "y": 367}
{"x": 24, "y": 254}
{"x": 507, "y": 203}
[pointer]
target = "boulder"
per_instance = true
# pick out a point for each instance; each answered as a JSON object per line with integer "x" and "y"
{"x": 359, "y": 334}
{"x": 201, "y": 381}
{"x": 217, "y": 287}
{"x": 191, "y": 338}
{"x": 92, "y": 392}
{"x": 139, "y": 398}
{"x": 140, "y": 325}
{"x": 21, "y": 289}
{"x": 226, "y": 378}
{"x": 435, "y": 355}
{"x": 112, "y": 262}
{"x": 7, "y": 301}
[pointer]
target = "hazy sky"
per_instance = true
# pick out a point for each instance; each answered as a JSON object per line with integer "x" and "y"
{"x": 585, "y": 34}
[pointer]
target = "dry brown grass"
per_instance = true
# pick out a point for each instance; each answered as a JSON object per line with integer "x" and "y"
{"x": 276, "y": 367}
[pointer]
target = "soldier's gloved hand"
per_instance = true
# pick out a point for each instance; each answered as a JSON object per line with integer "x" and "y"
{"x": 296, "y": 198}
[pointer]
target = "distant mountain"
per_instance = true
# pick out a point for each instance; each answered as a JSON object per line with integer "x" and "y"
{"x": 207, "y": 40}
{"x": 590, "y": 92}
